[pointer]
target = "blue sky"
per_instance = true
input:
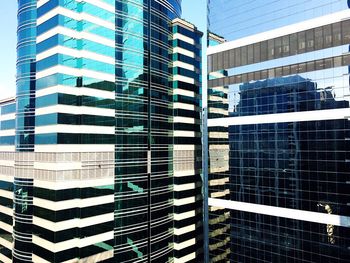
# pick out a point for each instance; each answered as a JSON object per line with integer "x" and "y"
{"x": 193, "y": 11}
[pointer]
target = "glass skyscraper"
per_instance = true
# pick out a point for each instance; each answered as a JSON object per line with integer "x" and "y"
{"x": 285, "y": 67}
{"x": 87, "y": 146}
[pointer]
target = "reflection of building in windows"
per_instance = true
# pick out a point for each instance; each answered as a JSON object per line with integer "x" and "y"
{"x": 287, "y": 68}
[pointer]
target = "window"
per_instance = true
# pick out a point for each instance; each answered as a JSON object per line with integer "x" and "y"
{"x": 346, "y": 31}
{"x": 293, "y": 40}
{"x": 327, "y": 32}
{"x": 250, "y": 54}
{"x": 257, "y": 53}
{"x": 271, "y": 49}
{"x": 237, "y": 57}
{"x": 278, "y": 47}
{"x": 319, "y": 38}
{"x": 285, "y": 46}
{"x": 301, "y": 42}
{"x": 336, "y": 28}
{"x": 263, "y": 51}
{"x": 310, "y": 40}
{"x": 244, "y": 55}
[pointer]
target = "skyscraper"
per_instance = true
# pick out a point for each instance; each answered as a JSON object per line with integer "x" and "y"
{"x": 87, "y": 146}
{"x": 187, "y": 91}
{"x": 287, "y": 123}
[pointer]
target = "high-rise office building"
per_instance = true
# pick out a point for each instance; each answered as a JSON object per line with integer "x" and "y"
{"x": 87, "y": 150}
{"x": 287, "y": 121}
{"x": 7, "y": 132}
{"x": 188, "y": 201}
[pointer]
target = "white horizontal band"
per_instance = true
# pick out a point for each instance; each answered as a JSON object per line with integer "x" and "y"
{"x": 185, "y": 215}
{"x": 7, "y": 148}
{"x": 81, "y": 91}
{"x": 75, "y": 35}
{"x": 183, "y": 65}
{"x": 73, "y": 148}
{"x": 75, "y": 129}
{"x": 183, "y": 79}
{"x": 186, "y": 258}
{"x": 183, "y": 51}
{"x": 76, "y": 16}
{"x": 5, "y": 243}
{"x": 179, "y": 133}
{"x": 187, "y": 147}
{"x": 78, "y": 110}
{"x": 321, "y": 218}
{"x": 282, "y": 31}
{"x": 184, "y": 173}
{"x": 5, "y": 117}
{"x": 183, "y": 92}
{"x": 185, "y": 244}
{"x": 184, "y": 187}
{"x": 5, "y": 259}
{"x": 6, "y": 194}
{"x": 183, "y": 38}
{"x": 316, "y": 115}
{"x": 76, "y": 222}
{"x": 184, "y": 106}
{"x": 69, "y": 184}
{"x": 100, "y": 4}
{"x": 76, "y": 242}
{"x": 73, "y": 203}
{"x": 188, "y": 120}
{"x": 8, "y": 132}
{"x": 184, "y": 201}
{"x": 75, "y": 72}
{"x": 74, "y": 53}
{"x": 6, "y": 178}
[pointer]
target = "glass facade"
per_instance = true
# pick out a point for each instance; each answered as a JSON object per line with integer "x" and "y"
{"x": 188, "y": 200}
{"x": 144, "y": 131}
{"x": 285, "y": 69}
{"x": 87, "y": 147}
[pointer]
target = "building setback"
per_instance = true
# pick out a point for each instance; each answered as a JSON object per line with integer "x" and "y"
{"x": 89, "y": 169}
{"x": 286, "y": 129}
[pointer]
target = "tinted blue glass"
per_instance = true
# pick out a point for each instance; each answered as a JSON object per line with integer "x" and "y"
{"x": 10, "y": 108}
{"x": 236, "y": 19}
{"x": 7, "y": 125}
{"x": 7, "y": 140}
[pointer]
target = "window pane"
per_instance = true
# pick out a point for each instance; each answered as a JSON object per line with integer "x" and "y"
{"x": 237, "y": 57}
{"x": 278, "y": 47}
{"x": 271, "y": 49}
{"x": 257, "y": 53}
{"x": 301, "y": 42}
{"x": 327, "y": 32}
{"x": 293, "y": 40}
{"x": 285, "y": 46}
{"x": 244, "y": 55}
{"x": 310, "y": 40}
{"x": 263, "y": 51}
{"x": 319, "y": 38}
{"x": 336, "y": 34}
{"x": 346, "y": 31}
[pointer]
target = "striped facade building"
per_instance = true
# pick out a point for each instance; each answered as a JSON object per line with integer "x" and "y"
{"x": 87, "y": 146}
{"x": 188, "y": 201}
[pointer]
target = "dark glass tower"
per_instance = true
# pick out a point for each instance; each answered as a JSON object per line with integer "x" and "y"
{"x": 287, "y": 122}
{"x": 144, "y": 131}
